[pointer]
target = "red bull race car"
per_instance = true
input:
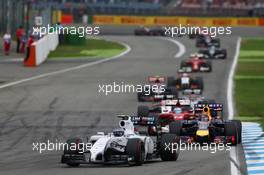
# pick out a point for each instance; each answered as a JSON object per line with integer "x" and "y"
{"x": 208, "y": 126}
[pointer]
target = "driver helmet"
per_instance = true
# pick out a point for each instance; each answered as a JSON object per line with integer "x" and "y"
{"x": 177, "y": 110}
{"x": 185, "y": 75}
{"x": 118, "y": 132}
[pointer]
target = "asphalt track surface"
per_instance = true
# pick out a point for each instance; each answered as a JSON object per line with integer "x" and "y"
{"x": 68, "y": 105}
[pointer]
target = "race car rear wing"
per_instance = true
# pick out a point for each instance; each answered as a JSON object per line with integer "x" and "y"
{"x": 192, "y": 91}
{"x": 215, "y": 109}
{"x": 156, "y": 79}
{"x": 212, "y": 106}
{"x": 178, "y": 102}
{"x": 143, "y": 121}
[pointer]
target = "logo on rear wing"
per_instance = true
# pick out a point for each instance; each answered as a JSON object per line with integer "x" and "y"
{"x": 144, "y": 121}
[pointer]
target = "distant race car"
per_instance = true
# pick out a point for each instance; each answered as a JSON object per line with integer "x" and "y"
{"x": 161, "y": 93}
{"x": 207, "y": 40}
{"x": 212, "y": 52}
{"x": 209, "y": 126}
{"x": 123, "y": 145}
{"x": 145, "y": 31}
{"x": 196, "y": 63}
{"x": 186, "y": 82}
{"x": 165, "y": 112}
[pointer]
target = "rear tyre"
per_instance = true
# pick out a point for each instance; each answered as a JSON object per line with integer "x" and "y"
{"x": 135, "y": 151}
{"x": 140, "y": 97}
{"x": 143, "y": 111}
{"x": 69, "y": 142}
{"x": 67, "y": 149}
{"x": 200, "y": 82}
{"x": 170, "y": 81}
{"x": 174, "y": 91}
{"x": 231, "y": 130}
{"x": 175, "y": 127}
{"x": 209, "y": 64}
{"x": 169, "y": 141}
{"x": 239, "y": 130}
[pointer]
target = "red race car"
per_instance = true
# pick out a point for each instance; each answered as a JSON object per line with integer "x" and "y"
{"x": 196, "y": 63}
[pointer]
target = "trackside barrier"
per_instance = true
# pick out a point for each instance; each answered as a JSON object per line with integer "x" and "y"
{"x": 39, "y": 50}
{"x": 177, "y": 20}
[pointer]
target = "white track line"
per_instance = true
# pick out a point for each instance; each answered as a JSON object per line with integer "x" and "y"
{"x": 128, "y": 49}
{"x": 181, "y": 47}
{"x": 230, "y": 103}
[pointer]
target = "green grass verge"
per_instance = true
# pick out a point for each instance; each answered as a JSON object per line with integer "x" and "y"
{"x": 93, "y": 48}
{"x": 252, "y": 44}
{"x": 249, "y": 81}
{"x": 250, "y": 68}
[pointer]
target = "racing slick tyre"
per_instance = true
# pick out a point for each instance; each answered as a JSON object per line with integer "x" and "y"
{"x": 170, "y": 81}
{"x": 169, "y": 148}
{"x": 209, "y": 65}
{"x": 135, "y": 151}
{"x": 217, "y": 42}
{"x": 225, "y": 54}
{"x": 239, "y": 130}
{"x": 71, "y": 141}
{"x": 175, "y": 127}
{"x": 200, "y": 83}
{"x": 231, "y": 130}
{"x": 140, "y": 97}
{"x": 67, "y": 149}
{"x": 174, "y": 91}
{"x": 143, "y": 111}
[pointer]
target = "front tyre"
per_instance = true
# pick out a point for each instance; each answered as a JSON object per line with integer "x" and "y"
{"x": 169, "y": 147}
{"x": 135, "y": 151}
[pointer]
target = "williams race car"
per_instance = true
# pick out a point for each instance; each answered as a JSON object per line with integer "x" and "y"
{"x": 212, "y": 52}
{"x": 195, "y": 63}
{"x": 158, "y": 90}
{"x": 123, "y": 145}
{"x": 185, "y": 82}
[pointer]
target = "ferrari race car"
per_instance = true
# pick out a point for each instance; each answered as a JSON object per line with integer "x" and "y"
{"x": 164, "y": 107}
{"x": 159, "y": 92}
{"x": 208, "y": 127}
{"x": 207, "y": 40}
{"x": 145, "y": 31}
{"x": 212, "y": 52}
{"x": 186, "y": 83}
{"x": 123, "y": 145}
{"x": 195, "y": 63}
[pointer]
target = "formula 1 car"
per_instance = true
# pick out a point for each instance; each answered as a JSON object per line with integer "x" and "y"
{"x": 195, "y": 63}
{"x": 208, "y": 127}
{"x": 212, "y": 52}
{"x": 160, "y": 92}
{"x": 164, "y": 107}
{"x": 186, "y": 82}
{"x": 123, "y": 145}
{"x": 207, "y": 40}
{"x": 145, "y": 31}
